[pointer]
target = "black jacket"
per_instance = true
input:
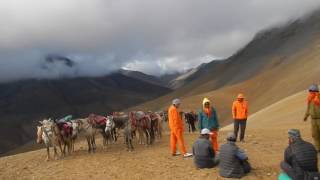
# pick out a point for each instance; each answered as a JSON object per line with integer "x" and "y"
{"x": 302, "y": 155}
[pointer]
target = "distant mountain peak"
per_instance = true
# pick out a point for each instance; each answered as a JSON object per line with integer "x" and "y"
{"x": 54, "y": 58}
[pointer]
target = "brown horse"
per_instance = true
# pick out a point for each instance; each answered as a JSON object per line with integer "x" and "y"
{"x": 66, "y": 136}
{"x": 87, "y": 129}
{"x": 142, "y": 123}
{"x": 156, "y": 124}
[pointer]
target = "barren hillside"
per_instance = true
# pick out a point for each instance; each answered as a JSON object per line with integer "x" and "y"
{"x": 275, "y": 64}
{"x": 266, "y": 140}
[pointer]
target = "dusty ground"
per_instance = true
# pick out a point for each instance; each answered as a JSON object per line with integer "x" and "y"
{"x": 266, "y": 140}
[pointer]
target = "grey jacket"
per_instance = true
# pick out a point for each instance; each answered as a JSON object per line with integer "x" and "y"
{"x": 204, "y": 156}
{"x": 231, "y": 158}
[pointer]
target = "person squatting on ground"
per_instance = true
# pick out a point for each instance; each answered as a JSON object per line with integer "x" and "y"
{"x": 176, "y": 129}
{"x": 300, "y": 159}
{"x": 203, "y": 153}
{"x": 208, "y": 119}
{"x": 233, "y": 162}
{"x": 240, "y": 115}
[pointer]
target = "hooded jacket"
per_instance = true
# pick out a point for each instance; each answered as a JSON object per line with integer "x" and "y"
{"x": 211, "y": 122}
{"x": 240, "y": 110}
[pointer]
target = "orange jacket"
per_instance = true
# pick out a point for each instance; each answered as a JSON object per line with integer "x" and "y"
{"x": 175, "y": 121}
{"x": 240, "y": 110}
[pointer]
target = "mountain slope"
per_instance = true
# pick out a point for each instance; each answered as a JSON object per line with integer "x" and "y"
{"x": 275, "y": 64}
{"x": 23, "y": 103}
{"x": 265, "y": 143}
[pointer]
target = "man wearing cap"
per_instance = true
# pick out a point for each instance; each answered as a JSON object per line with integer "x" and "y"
{"x": 176, "y": 129}
{"x": 233, "y": 162}
{"x": 240, "y": 115}
{"x": 204, "y": 155}
{"x": 313, "y": 110}
{"x": 300, "y": 159}
{"x": 208, "y": 119}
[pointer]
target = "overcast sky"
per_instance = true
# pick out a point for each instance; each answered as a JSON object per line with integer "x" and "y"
{"x": 153, "y": 36}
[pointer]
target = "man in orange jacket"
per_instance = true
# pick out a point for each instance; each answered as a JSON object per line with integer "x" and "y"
{"x": 176, "y": 129}
{"x": 240, "y": 115}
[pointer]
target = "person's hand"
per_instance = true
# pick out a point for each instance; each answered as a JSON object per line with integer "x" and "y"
{"x": 305, "y": 119}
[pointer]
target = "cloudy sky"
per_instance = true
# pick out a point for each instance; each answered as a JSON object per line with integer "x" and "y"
{"x": 153, "y": 36}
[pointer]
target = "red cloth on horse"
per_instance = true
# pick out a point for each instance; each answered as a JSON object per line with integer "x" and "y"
{"x": 97, "y": 119}
{"x": 67, "y": 129}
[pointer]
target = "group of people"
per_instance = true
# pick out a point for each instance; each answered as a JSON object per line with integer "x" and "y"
{"x": 233, "y": 161}
{"x": 300, "y": 159}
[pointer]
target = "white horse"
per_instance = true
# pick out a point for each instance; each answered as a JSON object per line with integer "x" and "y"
{"x": 75, "y": 132}
{"x": 48, "y": 133}
{"x": 109, "y": 131}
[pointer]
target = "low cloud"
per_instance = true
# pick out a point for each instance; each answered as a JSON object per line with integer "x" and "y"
{"x": 155, "y": 37}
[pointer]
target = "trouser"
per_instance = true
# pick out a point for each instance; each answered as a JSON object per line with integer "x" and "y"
{"x": 193, "y": 127}
{"x": 240, "y": 124}
{"x": 204, "y": 164}
{"x": 214, "y": 140}
{"x": 291, "y": 172}
{"x": 176, "y": 136}
{"x": 315, "y": 123}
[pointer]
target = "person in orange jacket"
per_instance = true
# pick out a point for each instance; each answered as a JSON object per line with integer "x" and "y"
{"x": 240, "y": 115}
{"x": 176, "y": 129}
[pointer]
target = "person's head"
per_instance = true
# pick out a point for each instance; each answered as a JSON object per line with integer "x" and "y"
{"x": 294, "y": 135}
{"x": 314, "y": 88}
{"x": 205, "y": 133}
{"x": 176, "y": 103}
{"x": 240, "y": 97}
{"x": 231, "y": 137}
{"x": 206, "y": 103}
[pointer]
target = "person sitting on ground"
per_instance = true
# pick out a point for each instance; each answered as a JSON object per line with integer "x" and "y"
{"x": 204, "y": 155}
{"x": 233, "y": 162}
{"x": 300, "y": 159}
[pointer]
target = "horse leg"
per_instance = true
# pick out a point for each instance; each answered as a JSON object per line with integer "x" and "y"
{"x": 48, "y": 153}
{"x": 147, "y": 137}
{"x": 104, "y": 141}
{"x": 94, "y": 143}
{"x": 64, "y": 148}
{"x": 127, "y": 143}
{"x": 89, "y": 145}
{"x": 73, "y": 143}
{"x": 131, "y": 146}
{"x": 60, "y": 147}
{"x": 115, "y": 135}
{"x": 141, "y": 136}
{"x": 55, "y": 152}
{"x": 69, "y": 146}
